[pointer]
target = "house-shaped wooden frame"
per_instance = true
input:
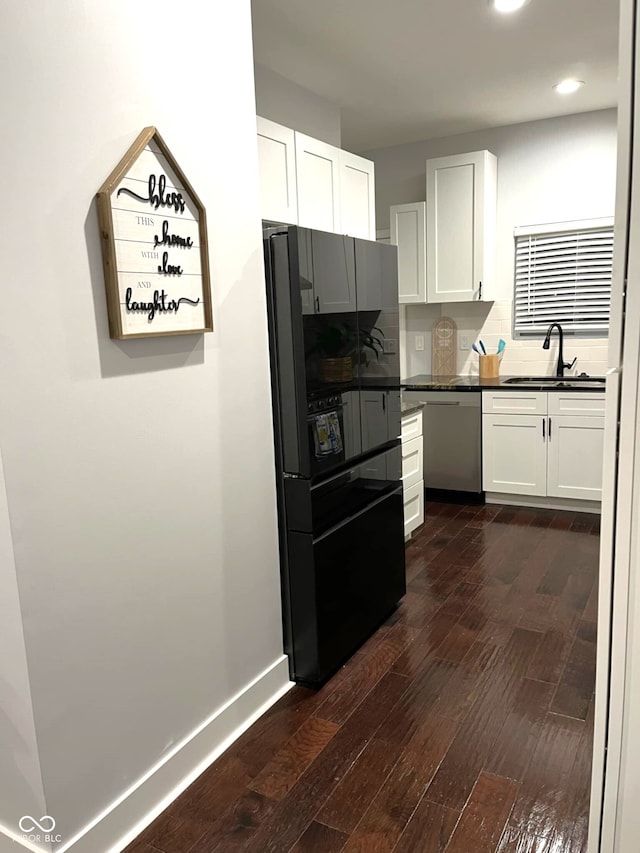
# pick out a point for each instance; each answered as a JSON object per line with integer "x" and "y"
{"x": 153, "y": 230}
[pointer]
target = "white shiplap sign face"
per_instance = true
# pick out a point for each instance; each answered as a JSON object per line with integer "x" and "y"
{"x": 155, "y": 256}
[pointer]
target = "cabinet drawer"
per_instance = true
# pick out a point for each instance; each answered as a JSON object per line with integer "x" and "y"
{"x": 576, "y": 403}
{"x": 514, "y": 402}
{"x": 411, "y": 461}
{"x": 413, "y": 507}
{"x": 411, "y": 426}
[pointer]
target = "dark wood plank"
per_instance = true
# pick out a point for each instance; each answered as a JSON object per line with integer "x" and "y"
{"x": 349, "y": 801}
{"x": 171, "y": 833}
{"x": 214, "y": 790}
{"x": 519, "y": 735}
{"x": 571, "y": 836}
{"x": 542, "y": 802}
{"x": 410, "y": 712}
{"x": 389, "y": 813}
{"x": 456, "y": 644}
{"x": 366, "y": 674}
{"x": 290, "y": 818}
{"x": 550, "y": 658}
{"x": 484, "y": 817}
{"x": 514, "y": 841}
{"x": 479, "y": 730}
{"x": 286, "y": 767}
{"x": 257, "y": 746}
{"x": 320, "y": 839}
{"x": 428, "y": 830}
{"x": 577, "y": 682}
{"x": 138, "y": 846}
{"x": 237, "y": 825}
{"x": 396, "y": 750}
{"x": 413, "y": 661}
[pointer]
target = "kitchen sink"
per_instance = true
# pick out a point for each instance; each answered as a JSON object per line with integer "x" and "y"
{"x": 558, "y": 382}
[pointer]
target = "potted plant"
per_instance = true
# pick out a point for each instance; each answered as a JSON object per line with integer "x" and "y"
{"x": 338, "y": 344}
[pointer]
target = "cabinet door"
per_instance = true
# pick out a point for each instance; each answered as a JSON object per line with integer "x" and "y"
{"x": 376, "y": 276}
{"x": 277, "y": 163}
{"x": 351, "y": 424}
{"x": 408, "y": 234}
{"x": 369, "y": 275}
{"x": 334, "y": 273}
{"x": 305, "y": 265}
{"x": 413, "y": 504}
{"x": 411, "y": 462}
{"x": 575, "y": 457}
{"x": 318, "y": 179}
{"x": 461, "y": 193}
{"x": 514, "y": 454}
{"x": 375, "y": 431}
{"x": 357, "y": 196}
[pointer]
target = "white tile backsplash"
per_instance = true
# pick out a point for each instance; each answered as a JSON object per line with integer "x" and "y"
{"x": 492, "y": 321}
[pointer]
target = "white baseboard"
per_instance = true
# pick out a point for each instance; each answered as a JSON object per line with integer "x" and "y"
{"x": 569, "y": 504}
{"x": 125, "y": 819}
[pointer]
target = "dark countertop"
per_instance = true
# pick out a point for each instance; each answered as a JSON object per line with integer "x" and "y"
{"x": 424, "y": 382}
{"x": 408, "y": 408}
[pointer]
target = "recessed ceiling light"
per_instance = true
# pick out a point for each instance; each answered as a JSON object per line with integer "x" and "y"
{"x": 508, "y": 5}
{"x": 568, "y": 87}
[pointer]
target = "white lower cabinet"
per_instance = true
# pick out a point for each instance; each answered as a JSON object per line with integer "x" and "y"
{"x": 412, "y": 476}
{"x": 574, "y": 457}
{"x": 553, "y": 453}
{"x": 413, "y": 502}
{"x": 514, "y": 454}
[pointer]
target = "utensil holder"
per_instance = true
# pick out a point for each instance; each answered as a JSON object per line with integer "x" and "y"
{"x": 489, "y": 366}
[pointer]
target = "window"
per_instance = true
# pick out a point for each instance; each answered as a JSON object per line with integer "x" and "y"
{"x": 563, "y": 275}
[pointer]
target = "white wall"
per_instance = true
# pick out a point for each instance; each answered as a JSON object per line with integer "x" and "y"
{"x": 285, "y": 102}
{"x": 20, "y": 777}
{"x": 548, "y": 171}
{"x": 139, "y": 474}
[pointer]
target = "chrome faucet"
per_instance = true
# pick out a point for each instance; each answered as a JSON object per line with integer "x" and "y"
{"x": 562, "y": 365}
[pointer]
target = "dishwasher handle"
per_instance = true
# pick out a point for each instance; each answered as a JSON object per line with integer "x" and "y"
{"x": 443, "y": 403}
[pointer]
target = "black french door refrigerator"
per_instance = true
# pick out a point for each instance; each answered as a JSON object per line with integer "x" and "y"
{"x": 337, "y": 441}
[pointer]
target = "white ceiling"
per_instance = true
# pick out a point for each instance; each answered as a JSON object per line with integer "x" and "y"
{"x": 405, "y": 70}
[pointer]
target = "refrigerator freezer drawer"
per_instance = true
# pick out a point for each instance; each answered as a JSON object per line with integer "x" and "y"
{"x": 344, "y": 585}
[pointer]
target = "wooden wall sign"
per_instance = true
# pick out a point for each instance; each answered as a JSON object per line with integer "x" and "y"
{"x": 154, "y": 245}
{"x": 444, "y": 351}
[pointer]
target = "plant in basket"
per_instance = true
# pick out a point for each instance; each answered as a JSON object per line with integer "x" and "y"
{"x": 339, "y": 344}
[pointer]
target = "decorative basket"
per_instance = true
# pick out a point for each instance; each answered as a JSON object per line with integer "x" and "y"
{"x": 336, "y": 369}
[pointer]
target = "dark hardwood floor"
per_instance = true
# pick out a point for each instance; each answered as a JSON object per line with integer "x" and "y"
{"x": 463, "y": 725}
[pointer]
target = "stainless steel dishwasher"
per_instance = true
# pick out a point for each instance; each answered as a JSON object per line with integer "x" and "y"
{"x": 452, "y": 449}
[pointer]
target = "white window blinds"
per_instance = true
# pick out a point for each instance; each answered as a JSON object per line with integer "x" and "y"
{"x": 563, "y": 275}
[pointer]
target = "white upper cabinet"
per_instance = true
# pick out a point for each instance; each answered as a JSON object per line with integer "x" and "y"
{"x": 408, "y": 234}
{"x": 357, "y": 196}
{"x": 461, "y": 220}
{"x": 304, "y": 181}
{"x": 277, "y": 163}
{"x": 318, "y": 178}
